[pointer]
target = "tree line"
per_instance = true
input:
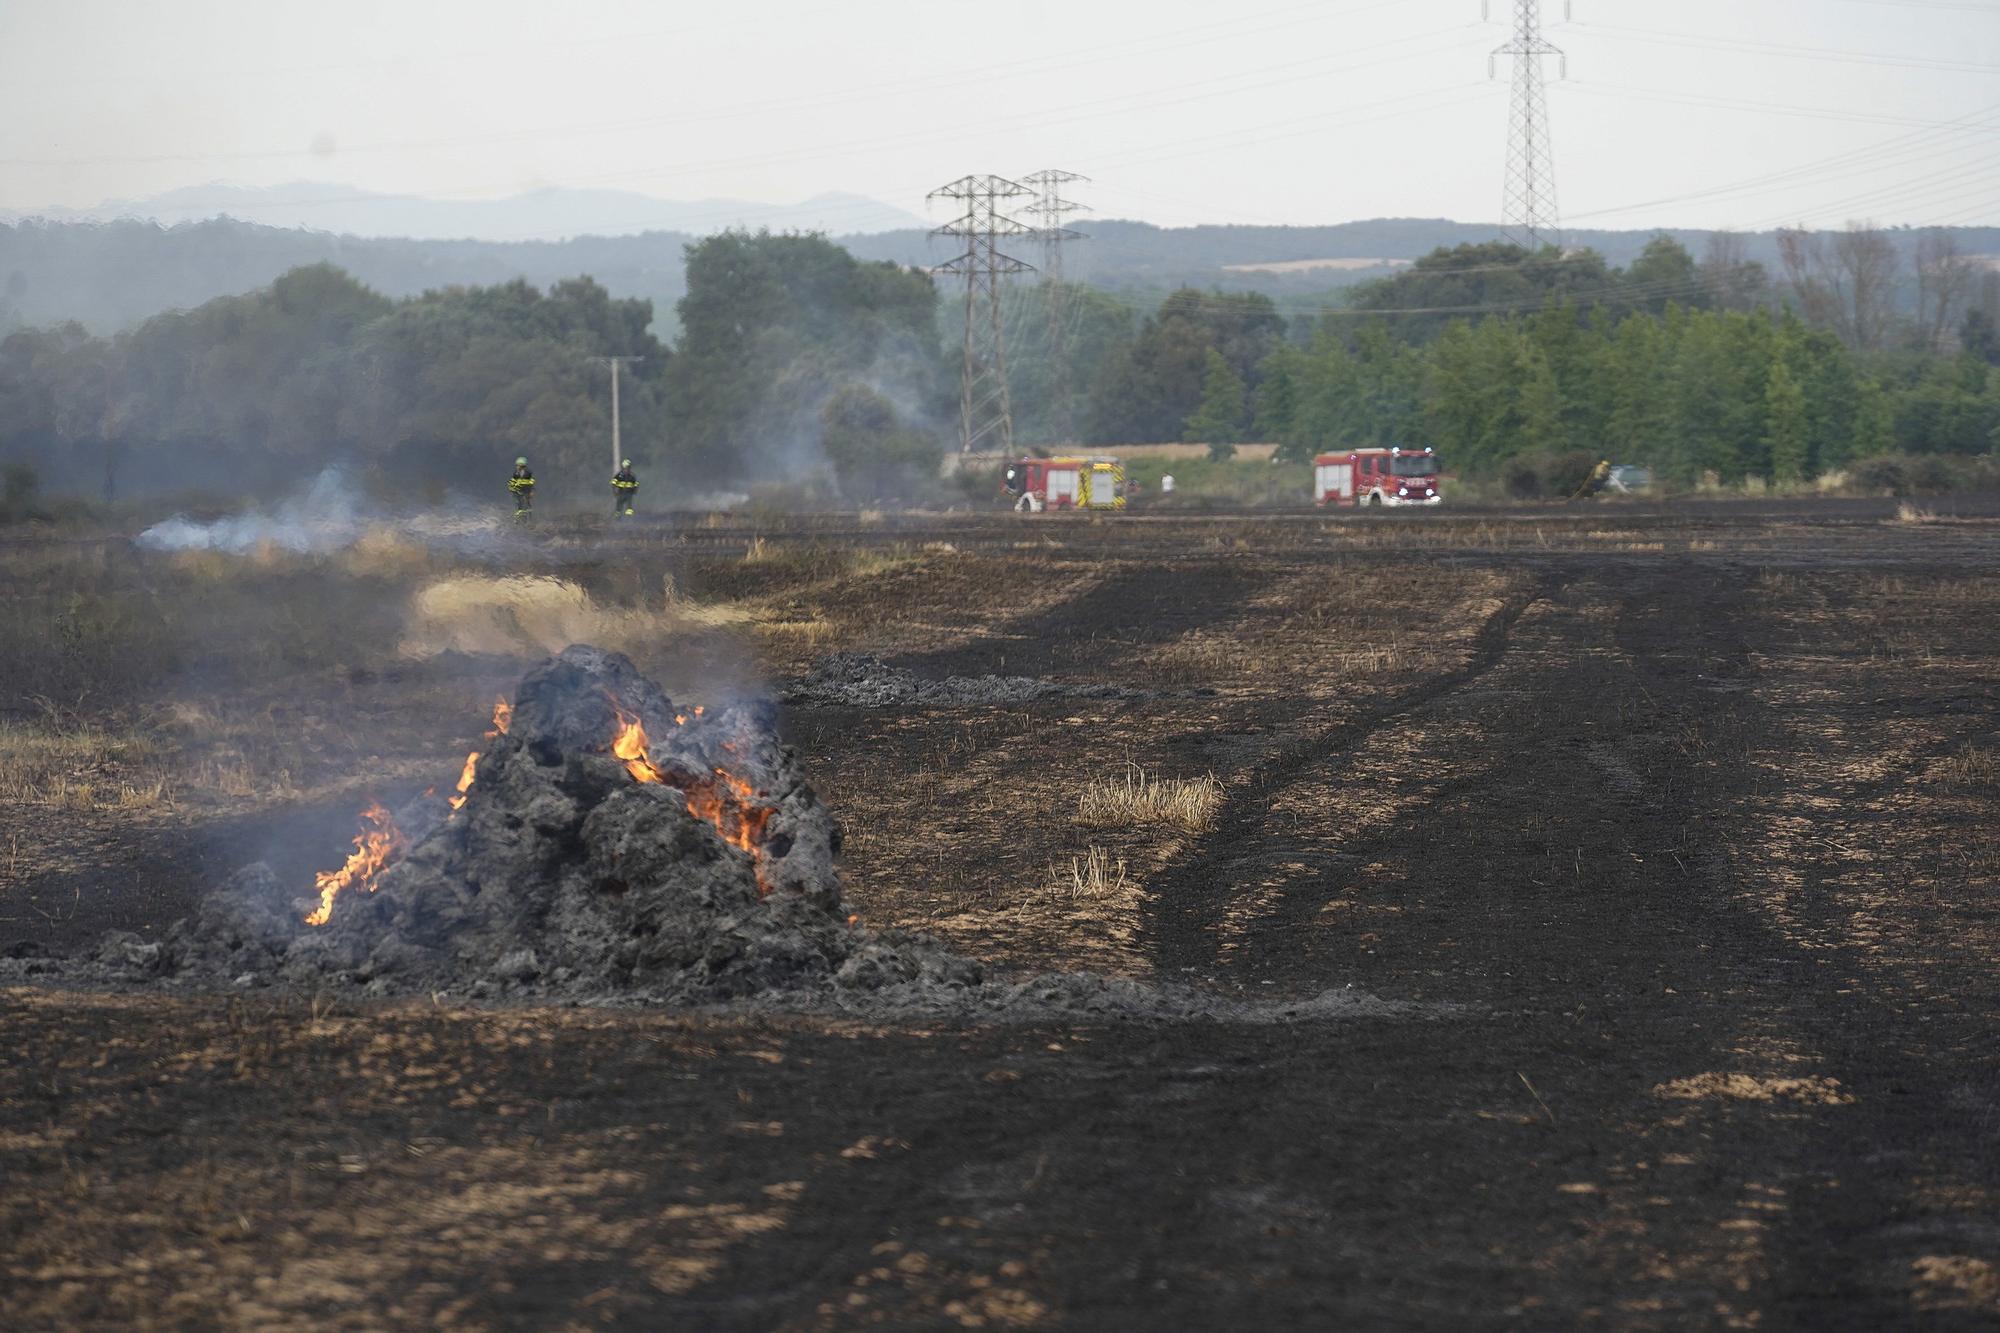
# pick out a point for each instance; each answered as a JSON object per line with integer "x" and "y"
{"x": 1490, "y": 353}
{"x": 798, "y": 365}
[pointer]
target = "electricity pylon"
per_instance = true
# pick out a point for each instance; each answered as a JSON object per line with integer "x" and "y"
{"x": 983, "y": 406}
{"x": 1528, "y": 202}
{"x": 1049, "y": 210}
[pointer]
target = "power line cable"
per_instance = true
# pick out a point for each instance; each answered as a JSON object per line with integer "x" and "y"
{"x": 1787, "y": 50}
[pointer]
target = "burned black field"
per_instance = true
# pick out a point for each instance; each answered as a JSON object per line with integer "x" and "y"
{"x": 1665, "y": 837}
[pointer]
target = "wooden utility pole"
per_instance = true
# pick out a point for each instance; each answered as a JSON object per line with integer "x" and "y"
{"x": 617, "y": 364}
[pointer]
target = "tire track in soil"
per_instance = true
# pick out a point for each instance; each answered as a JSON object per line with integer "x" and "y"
{"x": 1185, "y": 906}
{"x": 1139, "y": 606}
{"x": 1858, "y": 1177}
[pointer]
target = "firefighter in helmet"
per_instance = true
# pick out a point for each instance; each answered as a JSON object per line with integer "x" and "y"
{"x": 624, "y": 486}
{"x": 522, "y": 484}
{"x": 1599, "y": 477}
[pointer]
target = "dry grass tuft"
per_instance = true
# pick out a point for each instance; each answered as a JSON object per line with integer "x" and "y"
{"x": 538, "y": 614}
{"x": 1095, "y": 874}
{"x": 869, "y": 561}
{"x": 807, "y": 635}
{"x": 1909, "y": 513}
{"x": 1974, "y": 768}
{"x": 1187, "y": 804}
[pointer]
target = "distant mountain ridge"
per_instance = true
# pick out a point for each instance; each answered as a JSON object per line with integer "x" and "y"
{"x": 110, "y": 276}
{"x": 550, "y": 214}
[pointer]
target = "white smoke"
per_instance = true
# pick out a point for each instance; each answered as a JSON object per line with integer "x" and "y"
{"x": 713, "y": 501}
{"x": 326, "y": 518}
{"x": 331, "y": 515}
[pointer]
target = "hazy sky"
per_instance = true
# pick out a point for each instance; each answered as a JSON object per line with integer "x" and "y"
{"x": 1741, "y": 113}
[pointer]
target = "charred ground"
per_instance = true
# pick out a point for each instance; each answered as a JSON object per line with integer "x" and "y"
{"x": 1685, "y": 815}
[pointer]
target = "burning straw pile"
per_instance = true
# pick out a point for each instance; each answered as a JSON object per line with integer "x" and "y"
{"x": 603, "y": 844}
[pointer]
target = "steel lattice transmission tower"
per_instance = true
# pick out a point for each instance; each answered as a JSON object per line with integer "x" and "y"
{"x": 983, "y": 406}
{"x": 1528, "y": 203}
{"x": 1049, "y": 210}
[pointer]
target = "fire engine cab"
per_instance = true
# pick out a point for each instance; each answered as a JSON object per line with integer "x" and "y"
{"x": 1093, "y": 482}
{"x": 1378, "y": 477}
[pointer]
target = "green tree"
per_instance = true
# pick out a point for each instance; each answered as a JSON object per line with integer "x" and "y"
{"x": 1095, "y": 325}
{"x": 1786, "y": 428}
{"x": 1874, "y": 421}
{"x": 1220, "y": 419}
{"x": 1536, "y": 419}
{"x": 874, "y": 451}
{"x": 1277, "y": 407}
{"x": 1638, "y": 425}
{"x": 1149, "y": 390}
{"x": 1468, "y": 280}
{"x": 773, "y": 328}
{"x": 1664, "y": 272}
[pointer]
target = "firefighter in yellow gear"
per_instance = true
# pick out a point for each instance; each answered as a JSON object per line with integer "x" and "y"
{"x": 624, "y": 486}
{"x": 1595, "y": 482}
{"x": 522, "y": 484}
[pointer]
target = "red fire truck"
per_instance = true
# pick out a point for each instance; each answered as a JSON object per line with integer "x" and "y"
{"x": 1093, "y": 482}
{"x": 1378, "y": 477}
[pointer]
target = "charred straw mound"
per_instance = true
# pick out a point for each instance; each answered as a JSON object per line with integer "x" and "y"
{"x": 609, "y": 846}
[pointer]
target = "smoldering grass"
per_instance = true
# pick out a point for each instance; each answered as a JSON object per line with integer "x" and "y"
{"x": 1139, "y": 798}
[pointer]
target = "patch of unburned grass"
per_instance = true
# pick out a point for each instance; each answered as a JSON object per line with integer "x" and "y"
{"x": 806, "y": 635}
{"x": 531, "y": 614}
{"x": 81, "y": 768}
{"x": 1138, "y": 798}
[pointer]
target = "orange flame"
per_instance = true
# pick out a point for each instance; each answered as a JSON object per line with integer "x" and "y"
{"x": 630, "y": 746}
{"x": 503, "y": 717}
{"x": 729, "y": 802}
{"x": 373, "y": 848}
{"x": 464, "y": 780}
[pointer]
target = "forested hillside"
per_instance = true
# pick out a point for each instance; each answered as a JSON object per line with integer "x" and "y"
{"x": 110, "y": 276}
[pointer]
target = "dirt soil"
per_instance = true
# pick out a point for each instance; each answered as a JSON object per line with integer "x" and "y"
{"x": 1677, "y": 827}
